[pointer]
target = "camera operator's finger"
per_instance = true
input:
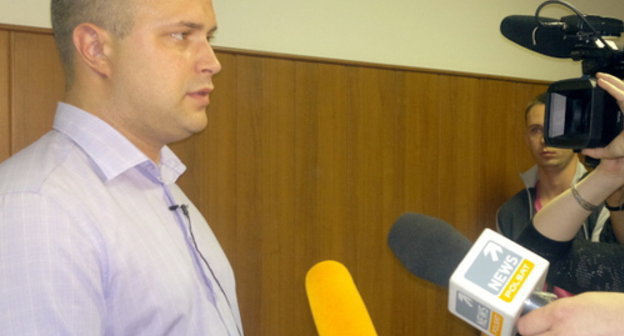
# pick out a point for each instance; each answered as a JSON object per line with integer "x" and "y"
{"x": 613, "y": 85}
{"x": 614, "y": 150}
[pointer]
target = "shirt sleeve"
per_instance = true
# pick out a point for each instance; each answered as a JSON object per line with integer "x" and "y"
{"x": 51, "y": 272}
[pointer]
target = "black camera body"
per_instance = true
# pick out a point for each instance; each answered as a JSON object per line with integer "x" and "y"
{"x": 579, "y": 114}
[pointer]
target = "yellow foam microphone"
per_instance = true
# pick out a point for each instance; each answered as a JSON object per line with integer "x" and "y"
{"x": 336, "y": 304}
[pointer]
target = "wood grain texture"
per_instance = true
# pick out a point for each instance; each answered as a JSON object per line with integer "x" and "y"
{"x": 37, "y": 84}
{"x": 5, "y": 130}
{"x": 305, "y": 160}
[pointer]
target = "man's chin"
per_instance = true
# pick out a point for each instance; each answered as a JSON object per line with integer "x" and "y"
{"x": 189, "y": 127}
{"x": 196, "y": 121}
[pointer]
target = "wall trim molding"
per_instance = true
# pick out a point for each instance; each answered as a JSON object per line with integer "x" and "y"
{"x": 323, "y": 60}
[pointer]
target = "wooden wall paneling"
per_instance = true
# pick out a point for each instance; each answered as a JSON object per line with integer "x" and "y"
{"x": 458, "y": 149}
{"x": 37, "y": 84}
{"x": 413, "y": 301}
{"x": 353, "y": 230}
{"x": 265, "y": 187}
{"x": 434, "y": 153}
{"x": 5, "y": 134}
{"x": 322, "y": 149}
{"x": 393, "y": 111}
{"x": 319, "y": 100}
{"x": 457, "y": 186}
{"x": 330, "y": 123}
{"x": 423, "y": 128}
{"x": 376, "y": 161}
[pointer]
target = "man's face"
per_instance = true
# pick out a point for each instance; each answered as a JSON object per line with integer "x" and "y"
{"x": 544, "y": 156}
{"x": 161, "y": 75}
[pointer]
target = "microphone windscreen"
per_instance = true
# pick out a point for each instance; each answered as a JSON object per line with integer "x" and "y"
{"x": 547, "y": 40}
{"x": 336, "y": 304}
{"x": 428, "y": 247}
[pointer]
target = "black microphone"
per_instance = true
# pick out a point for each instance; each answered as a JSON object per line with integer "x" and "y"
{"x": 549, "y": 38}
{"x": 428, "y": 247}
{"x": 183, "y": 207}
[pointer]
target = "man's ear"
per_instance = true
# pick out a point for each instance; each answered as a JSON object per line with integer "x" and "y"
{"x": 92, "y": 45}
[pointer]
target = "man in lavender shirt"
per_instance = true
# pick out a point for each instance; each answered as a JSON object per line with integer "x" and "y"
{"x": 96, "y": 238}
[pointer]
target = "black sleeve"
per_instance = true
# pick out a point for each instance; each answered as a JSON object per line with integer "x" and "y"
{"x": 579, "y": 265}
{"x": 607, "y": 235}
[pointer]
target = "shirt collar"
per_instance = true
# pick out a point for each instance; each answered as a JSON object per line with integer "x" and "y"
{"x": 529, "y": 177}
{"x": 111, "y": 152}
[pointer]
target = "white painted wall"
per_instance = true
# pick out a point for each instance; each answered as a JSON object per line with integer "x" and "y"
{"x": 442, "y": 34}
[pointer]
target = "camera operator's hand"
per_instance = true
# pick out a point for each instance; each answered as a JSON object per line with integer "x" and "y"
{"x": 592, "y": 313}
{"x": 615, "y": 87}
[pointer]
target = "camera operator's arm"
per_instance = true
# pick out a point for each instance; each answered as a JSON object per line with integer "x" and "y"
{"x": 561, "y": 218}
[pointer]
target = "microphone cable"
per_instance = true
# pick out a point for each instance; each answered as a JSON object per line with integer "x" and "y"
{"x": 594, "y": 33}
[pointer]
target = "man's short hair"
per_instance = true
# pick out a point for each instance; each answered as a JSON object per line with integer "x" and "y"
{"x": 116, "y": 16}
{"x": 540, "y": 99}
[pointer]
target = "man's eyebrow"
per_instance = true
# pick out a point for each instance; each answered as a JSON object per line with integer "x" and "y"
{"x": 189, "y": 24}
{"x": 195, "y": 26}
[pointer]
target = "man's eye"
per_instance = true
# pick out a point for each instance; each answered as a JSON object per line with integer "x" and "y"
{"x": 179, "y": 36}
